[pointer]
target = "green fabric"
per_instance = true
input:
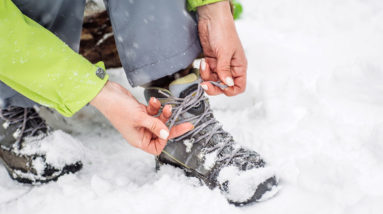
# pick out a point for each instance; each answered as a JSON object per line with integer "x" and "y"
{"x": 193, "y": 4}
{"x": 237, "y": 9}
{"x": 37, "y": 64}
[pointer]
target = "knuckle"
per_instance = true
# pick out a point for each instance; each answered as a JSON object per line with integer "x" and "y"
{"x": 224, "y": 68}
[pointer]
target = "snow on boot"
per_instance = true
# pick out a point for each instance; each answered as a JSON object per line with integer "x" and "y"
{"x": 31, "y": 152}
{"x": 208, "y": 152}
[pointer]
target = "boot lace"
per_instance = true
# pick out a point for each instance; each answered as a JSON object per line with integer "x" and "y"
{"x": 201, "y": 122}
{"x": 27, "y": 120}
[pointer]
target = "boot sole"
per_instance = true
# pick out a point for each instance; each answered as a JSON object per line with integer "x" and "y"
{"x": 27, "y": 178}
{"x": 68, "y": 169}
{"x": 261, "y": 190}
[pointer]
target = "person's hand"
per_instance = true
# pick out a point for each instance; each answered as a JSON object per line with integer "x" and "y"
{"x": 225, "y": 58}
{"x": 135, "y": 121}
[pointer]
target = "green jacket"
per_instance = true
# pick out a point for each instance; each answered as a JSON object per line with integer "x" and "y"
{"x": 37, "y": 64}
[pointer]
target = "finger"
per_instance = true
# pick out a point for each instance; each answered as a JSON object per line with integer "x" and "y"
{"x": 153, "y": 145}
{"x": 153, "y": 106}
{"x": 206, "y": 73}
{"x": 239, "y": 67}
{"x": 156, "y": 126}
{"x": 211, "y": 89}
{"x": 180, "y": 129}
{"x": 212, "y": 62}
{"x": 239, "y": 87}
{"x": 148, "y": 142}
{"x": 166, "y": 113}
{"x": 224, "y": 69}
{"x": 156, "y": 146}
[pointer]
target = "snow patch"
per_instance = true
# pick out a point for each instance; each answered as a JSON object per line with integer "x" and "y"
{"x": 39, "y": 165}
{"x": 210, "y": 160}
{"x": 99, "y": 185}
{"x": 189, "y": 144}
{"x": 59, "y": 148}
{"x": 105, "y": 37}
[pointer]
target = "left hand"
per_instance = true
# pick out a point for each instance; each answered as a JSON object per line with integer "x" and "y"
{"x": 225, "y": 58}
{"x": 136, "y": 122}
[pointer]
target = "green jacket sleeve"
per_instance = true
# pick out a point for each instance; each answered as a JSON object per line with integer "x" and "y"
{"x": 37, "y": 64}
{"x": 193, "y": 4}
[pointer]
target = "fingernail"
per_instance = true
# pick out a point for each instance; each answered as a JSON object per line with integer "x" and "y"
{"x": 203, "y": 64}
{"x": 164, "y": 134}
{"x": 154, "y": 100}
{"x": 229, "y": 81}
{"x": 170, "y": 108}
{"x": 204, "y": 87}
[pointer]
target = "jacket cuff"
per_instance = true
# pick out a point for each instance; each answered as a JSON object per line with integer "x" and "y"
{"x": 193, "y": 4}
{"x": 96, "y": 80}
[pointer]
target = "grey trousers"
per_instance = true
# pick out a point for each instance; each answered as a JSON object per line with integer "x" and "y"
{"x": 154, "y": 38}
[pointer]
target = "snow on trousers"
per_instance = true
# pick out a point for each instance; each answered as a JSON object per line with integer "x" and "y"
{"x": 153, "y": 38}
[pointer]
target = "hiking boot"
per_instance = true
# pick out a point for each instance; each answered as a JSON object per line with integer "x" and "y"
{"x": 208, "y": 152}
{"x": 26, "y": 147}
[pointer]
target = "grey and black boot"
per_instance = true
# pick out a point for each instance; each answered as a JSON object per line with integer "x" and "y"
{"x": 23, "y": 138}
{"x": 208, "y": 152}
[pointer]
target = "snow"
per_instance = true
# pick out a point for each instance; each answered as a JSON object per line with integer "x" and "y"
{"x": 58, "y": 147}
{"x": 313, "y": 109}
{"x": 210, "y": 160}
{"x": 189, "y": 144}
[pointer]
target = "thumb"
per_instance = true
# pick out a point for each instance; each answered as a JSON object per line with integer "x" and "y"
{"x": 224, "y": 69}
{"x": 156, "y": 126}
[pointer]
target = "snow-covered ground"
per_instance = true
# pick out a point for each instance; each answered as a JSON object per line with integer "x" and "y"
{"x": 313, "y": 108}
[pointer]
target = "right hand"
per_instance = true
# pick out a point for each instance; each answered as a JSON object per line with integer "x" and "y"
{"x": 135, "y": 121}
{"x": 225, "y": 58}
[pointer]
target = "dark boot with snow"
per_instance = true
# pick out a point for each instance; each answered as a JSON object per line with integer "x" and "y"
{"x": 21, "y": 131}
{"x": 208, "y": 152}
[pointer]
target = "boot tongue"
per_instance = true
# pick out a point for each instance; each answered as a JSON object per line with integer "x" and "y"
{"x": 185, "y": 85}
{"x": 178, "y": 88}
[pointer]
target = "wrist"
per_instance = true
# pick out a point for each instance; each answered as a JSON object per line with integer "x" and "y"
{"x": 218, "y": 9}
{"x": 100, "y": 102}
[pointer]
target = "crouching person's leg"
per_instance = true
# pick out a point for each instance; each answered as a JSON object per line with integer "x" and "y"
{"x": 154, "y": 38}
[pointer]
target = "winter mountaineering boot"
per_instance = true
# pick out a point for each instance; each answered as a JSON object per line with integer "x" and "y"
{"x": 208, "y": 152}
{"x": 21, "y": 131}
